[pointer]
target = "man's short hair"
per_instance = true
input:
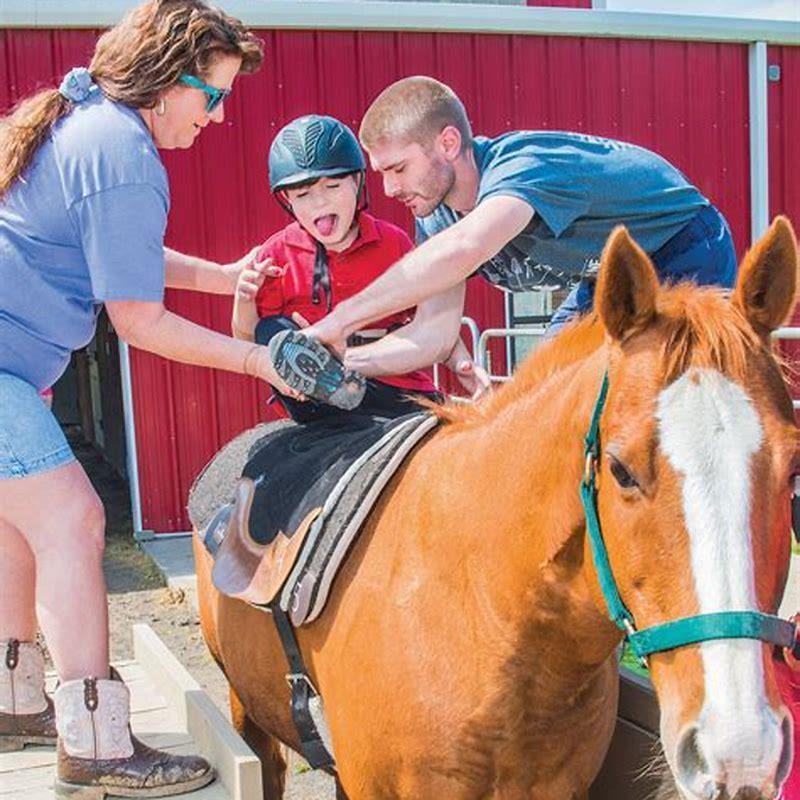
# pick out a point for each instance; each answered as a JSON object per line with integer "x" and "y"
{"x": 415, "y": 109}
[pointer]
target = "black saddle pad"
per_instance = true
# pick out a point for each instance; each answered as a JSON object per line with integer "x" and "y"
{"x": 298, "y": 466}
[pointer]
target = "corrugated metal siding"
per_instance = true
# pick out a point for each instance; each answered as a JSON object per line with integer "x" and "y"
{"x": 784, "y": 164}
{"x": 688, "y": 101}
{"x": 784, "y": 133}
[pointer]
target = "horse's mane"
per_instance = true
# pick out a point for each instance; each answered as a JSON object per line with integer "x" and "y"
{"x": 695, "y": 327}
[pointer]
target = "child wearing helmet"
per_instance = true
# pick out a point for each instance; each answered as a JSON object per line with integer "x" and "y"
{"x": 331, "y": 250}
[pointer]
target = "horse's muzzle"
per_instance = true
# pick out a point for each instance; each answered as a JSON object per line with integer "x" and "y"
{"x": 708, "y": 770}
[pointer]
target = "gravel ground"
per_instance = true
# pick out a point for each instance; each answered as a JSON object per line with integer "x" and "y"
{"x": 137, "y": 593}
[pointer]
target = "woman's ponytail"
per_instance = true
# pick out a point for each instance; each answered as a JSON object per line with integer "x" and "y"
{"x": 23, "y": 131}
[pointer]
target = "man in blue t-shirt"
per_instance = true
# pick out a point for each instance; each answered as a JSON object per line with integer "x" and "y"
{"x": 526, "y": 210}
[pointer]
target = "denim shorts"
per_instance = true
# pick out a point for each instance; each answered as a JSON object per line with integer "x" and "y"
{"x": 31, "y": 440}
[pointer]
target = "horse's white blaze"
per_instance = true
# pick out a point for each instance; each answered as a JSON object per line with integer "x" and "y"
{"x": 709, "y": 432}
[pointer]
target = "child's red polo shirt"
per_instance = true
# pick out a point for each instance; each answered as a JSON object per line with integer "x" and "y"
{"x": 379, "y": 245}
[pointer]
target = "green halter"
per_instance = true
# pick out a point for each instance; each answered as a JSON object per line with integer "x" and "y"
{"x": 681, "y": 632}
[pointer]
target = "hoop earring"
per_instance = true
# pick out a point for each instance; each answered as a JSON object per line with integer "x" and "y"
{"x": 161, "y": 107}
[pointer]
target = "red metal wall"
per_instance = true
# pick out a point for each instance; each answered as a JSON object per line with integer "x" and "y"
{"x": 688, "y": 101}
{"x": 784, "y": 164}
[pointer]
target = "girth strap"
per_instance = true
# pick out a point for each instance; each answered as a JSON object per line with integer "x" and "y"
{"x": 303, "y": 693}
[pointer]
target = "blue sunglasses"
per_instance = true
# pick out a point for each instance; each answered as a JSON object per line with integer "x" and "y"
{"x": 215, "y": 96}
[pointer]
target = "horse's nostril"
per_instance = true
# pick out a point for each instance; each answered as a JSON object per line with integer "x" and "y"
{"x": 785, "y": 763}
{"x": 690, "y": 760}
{"x": 693, "y": 772}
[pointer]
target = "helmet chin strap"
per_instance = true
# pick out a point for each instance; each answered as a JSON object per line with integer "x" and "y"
{"x": 362, "y": 193}
{"x": 283, "y": 203}
{"x": 322, "y": 278}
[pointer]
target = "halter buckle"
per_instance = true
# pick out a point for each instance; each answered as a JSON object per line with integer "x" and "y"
{"x": 293, "y": 678}
{"x": 588, "y": 469}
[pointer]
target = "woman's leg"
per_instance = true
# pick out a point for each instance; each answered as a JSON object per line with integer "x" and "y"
{"x": 26, "y": 713}
{"x": 61, "y": 519}
{"x": 18, "y": 579}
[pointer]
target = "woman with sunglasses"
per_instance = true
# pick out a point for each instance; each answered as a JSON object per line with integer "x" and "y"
{"x": 83, "y": 210}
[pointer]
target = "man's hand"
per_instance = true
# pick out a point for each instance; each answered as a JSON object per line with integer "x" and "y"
{"x": 331, "y": 334}
{"x": 474, "y": 379}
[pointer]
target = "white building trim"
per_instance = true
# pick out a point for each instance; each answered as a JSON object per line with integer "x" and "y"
{"x": 759, "y": 141}
{"x": 131, "y": 451}
{"x": 425, "y": 16}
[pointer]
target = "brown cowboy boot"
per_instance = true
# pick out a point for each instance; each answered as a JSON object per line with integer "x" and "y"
{"x": 26, "y": 712}
{"x": 99, "y": 756}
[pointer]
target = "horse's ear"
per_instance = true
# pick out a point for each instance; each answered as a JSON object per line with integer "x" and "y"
{"x": 626, "y": 286}
{"x": 767, "y": 283}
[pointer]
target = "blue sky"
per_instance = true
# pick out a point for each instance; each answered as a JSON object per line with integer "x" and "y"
{"x": 760, "y": 9}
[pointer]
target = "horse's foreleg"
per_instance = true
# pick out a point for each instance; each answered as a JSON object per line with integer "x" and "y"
{"x": 265, "y": 746}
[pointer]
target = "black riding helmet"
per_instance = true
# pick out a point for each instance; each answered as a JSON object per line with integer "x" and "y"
{"x": 313, "y": 147}
{"x": 305, "y": 150}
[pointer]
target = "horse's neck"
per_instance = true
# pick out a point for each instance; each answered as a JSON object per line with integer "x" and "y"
{"x": 529, "y": 531}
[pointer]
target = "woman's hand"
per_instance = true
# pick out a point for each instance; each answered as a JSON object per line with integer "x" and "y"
{"x": 263, "y": 369}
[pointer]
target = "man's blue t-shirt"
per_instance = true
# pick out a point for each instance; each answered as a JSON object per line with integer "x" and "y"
{"x": 85, "y": 224}
{"x": 579, "y": 187}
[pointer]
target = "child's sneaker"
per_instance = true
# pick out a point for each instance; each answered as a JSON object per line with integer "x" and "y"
{"x": 310, "y": 368}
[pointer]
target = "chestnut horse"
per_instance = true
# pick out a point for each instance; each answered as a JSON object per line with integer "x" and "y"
{"x": 467, "y": 652}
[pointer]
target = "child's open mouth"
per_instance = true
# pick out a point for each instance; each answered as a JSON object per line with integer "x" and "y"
{"x": 326, "y": 224}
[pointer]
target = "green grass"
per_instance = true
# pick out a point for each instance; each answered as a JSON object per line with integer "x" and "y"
{"x": 630, "y": 661}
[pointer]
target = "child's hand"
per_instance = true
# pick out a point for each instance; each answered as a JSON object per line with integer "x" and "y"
{"x": 253, "y": 275}
{"x": 300, "y": 320}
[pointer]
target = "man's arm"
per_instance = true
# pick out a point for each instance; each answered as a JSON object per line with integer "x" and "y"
{"x": 427, "y": 339}
{"x": 475, "y": 379}
{"x": 200, "y": 275}
{"x": 442, "y": 262}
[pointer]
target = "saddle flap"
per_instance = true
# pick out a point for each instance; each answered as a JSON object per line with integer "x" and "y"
{"x": 247, "y": 569}
{"x": 285, "y": 527}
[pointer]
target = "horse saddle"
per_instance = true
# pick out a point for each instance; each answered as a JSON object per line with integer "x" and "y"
{"x": 279, "y": 506}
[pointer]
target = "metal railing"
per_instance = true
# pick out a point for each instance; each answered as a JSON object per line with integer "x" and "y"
{"x": 484, "y": 356}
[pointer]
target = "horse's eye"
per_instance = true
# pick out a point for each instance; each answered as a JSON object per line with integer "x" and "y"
{"x": 621, "y": 475}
